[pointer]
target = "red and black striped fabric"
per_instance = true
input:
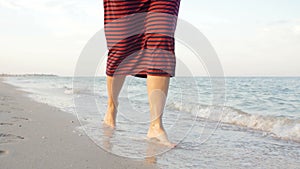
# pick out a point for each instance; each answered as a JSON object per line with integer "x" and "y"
{"x": 140, "y": 37}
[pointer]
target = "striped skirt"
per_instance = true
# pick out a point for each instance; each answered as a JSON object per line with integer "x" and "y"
{"x": 140, "y": 37}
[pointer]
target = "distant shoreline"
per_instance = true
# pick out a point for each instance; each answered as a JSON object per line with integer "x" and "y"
{"x": 23, "y": 75}
{"x": 53, "y": 75}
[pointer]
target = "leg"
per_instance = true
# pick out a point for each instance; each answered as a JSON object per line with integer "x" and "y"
{"x": 114, "y": 86}
{"x": 157, "y": 93}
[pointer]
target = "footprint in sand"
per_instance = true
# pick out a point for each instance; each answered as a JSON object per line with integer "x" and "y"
{"x": 3, "y": 152}
{"x": 21, "y": 118}
{"x": 8, "y": 138}
{"x": 5, "y": 111}
{"x": 6, "y": 124}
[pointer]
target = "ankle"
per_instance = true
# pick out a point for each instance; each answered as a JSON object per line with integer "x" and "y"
{"x": 112, "y": 104}
{"x": 111, "y": 111}
{"x": 155, "y": 126}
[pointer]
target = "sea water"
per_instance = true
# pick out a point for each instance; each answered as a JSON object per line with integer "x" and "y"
{"x": 256, "y": 120}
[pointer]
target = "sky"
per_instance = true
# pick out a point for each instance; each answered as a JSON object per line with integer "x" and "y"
{"x": 251, "y": 37}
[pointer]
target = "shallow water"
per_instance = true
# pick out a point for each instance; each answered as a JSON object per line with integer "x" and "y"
{"x": 259, "y": 125}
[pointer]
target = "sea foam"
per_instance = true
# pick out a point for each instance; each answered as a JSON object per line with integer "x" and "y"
{"x": 278, "y": 126}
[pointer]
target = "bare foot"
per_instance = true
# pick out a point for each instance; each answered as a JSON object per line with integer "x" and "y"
{"x": 159, "y": 135}
{"x": 110, "y": 117}
{"x": 109, "y": 121}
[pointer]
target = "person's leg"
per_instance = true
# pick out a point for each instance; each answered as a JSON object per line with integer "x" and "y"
{"x": 114, "y": 86}
{"x": 157, "y": 93}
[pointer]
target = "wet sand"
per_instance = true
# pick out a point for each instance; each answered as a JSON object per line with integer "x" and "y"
{"x": 35, "y": 135}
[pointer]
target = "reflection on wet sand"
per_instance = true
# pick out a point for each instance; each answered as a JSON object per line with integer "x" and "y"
{"x": 150, "y": 152}
{"x": 149, "y": 149}
{"x": 108, "y": 133}
{"x": 152, "y": 147}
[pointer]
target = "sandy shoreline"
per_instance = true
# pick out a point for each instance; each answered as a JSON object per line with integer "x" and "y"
{"x": 35, "y": 135}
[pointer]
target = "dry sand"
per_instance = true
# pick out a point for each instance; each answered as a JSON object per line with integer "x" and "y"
{"x": 35, "y": 135}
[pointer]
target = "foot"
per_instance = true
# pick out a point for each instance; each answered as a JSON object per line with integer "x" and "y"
{"x": 109, "y": 122}
{"x": 159, "y": 135}
{"x": 110, "y": 117}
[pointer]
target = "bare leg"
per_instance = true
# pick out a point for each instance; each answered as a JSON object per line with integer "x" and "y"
{"x": 114, "y": 86}
{"x": 157, "y": 93}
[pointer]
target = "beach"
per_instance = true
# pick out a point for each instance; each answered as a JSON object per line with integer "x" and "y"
{"x": 232, "y": 100}
{"x": 36, "y": 135}
{"x": 55, "y": 122}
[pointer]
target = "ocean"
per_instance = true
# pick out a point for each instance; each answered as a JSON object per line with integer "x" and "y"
{"x": 254, "y": 122}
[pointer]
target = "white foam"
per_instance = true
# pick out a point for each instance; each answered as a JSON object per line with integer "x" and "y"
{"x": 280, "y": 127}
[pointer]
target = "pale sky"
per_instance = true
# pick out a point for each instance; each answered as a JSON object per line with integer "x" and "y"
{"x": 251, "y": 37}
